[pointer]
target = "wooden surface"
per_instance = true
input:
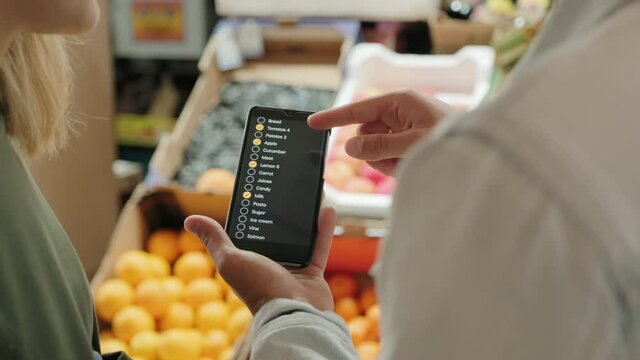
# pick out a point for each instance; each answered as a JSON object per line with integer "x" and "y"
{"x": 78, "y": 182}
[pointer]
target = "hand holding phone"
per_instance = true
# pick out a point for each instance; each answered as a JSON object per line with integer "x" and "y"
{"x": 278, "y": 189}
{"x": 284, "y": 194}
{"x": 257, "y": 279}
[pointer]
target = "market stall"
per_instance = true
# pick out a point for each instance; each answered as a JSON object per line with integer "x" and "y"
{"x": 157, "y": 294}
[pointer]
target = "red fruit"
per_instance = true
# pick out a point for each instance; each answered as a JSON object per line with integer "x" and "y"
{"x": 387, "y": 186}
{"x": 372, "y": 174}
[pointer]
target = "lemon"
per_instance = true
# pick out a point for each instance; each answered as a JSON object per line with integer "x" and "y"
{"x": 131, "y": 320}
{"x": 152, "y": 295}
{"x": 212, "y": 315}
{"x": 159, "y": 266}
{"x": 202, "y": 291}
{"x": 215, "y": 342}
{"x": 112, "y": 345}
{"x": 133, "y": 267}
{"x": 111, "y": 296}
{"x": 193, "y": 265}
{"x": 145, "y": 344}
{"x": 165, "y": 244}
{"x": 179, "y": 316}
{"x": 238, "y": 322}
{"x": 177, "y": 344}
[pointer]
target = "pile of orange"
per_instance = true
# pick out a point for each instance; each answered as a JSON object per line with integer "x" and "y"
{"x": 168, "y": 303}
{"x": 358, "y": 306}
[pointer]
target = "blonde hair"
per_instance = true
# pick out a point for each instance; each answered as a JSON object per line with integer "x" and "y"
{"x": 35, "y": 88}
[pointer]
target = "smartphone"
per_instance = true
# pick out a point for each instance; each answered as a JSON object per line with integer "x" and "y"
{"x": 278, "y": 189}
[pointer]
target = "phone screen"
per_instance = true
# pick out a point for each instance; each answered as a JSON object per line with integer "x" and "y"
{"x": 278, "y": 184}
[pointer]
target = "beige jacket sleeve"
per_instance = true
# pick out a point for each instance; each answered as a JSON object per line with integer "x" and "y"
{"x": 480, "y": 264}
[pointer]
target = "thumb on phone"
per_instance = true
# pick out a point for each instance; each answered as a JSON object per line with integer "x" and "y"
{"x": 212, "y": 235}
{"x": 374, "y": 147}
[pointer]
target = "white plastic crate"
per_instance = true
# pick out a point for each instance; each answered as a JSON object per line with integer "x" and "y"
{"x": 462, "y": 79}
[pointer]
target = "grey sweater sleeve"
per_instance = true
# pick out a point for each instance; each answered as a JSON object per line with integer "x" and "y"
{"x": 289, "y": 329}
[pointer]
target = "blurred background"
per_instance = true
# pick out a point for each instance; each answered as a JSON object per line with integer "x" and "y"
{"x": 164, "y": 86}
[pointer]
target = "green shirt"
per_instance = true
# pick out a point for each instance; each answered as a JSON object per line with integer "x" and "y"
{"x": 46, "y": 310}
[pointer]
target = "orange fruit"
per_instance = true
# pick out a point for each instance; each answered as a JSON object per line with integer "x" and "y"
{"x": 131, "y": 320}
{"x": 112, "y": 345}
{"x": 238, "y": 322}
{"x": 215, "y": 341}
{"x": 206, "y": 358}
{"x": 359, "y": 328}
{"x": 216, "y": 181}
{"x": 190, "y": 242}
{"x": 193, "y": 265}
{"x": 342, "y": 285}
{"x": 234, "y": 301}
{"x": 133, "y": 267}
{"x": 202, "y": 291}
{"x": 373, "y": 314}
{"x": 347, "y": 308}
{"x": 174, "y": 287}
{"x": 159, "y": 266}
{"x": 145, "y": 344}
{"x": 212, "y": 315}
{"x": 223, "y": 283}
{"x": 111, "y": 296}
{"x": 164, "y": 243}
{"x": 178, "y": 344}
{"x": 367, "y": 299}
{"x": 226, "y": 354}
{"x": 178, "y": 316}
{"x": 106, "y": 334}
{"x": 368, "y": 350}
{"x": 152, "y": 295}
{"x": 196, "y": 338}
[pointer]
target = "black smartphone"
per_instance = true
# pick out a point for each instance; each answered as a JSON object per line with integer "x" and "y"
{"x": 278, "y": 190}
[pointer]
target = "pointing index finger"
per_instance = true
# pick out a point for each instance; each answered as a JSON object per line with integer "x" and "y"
{"x": 360, "y": 112}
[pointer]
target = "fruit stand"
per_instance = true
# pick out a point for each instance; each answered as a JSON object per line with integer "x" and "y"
{"x": 157, "y": 293}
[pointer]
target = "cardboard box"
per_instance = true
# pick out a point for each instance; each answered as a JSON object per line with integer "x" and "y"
{"x": 132, "y": 229}
{"x": 451, "y": 35}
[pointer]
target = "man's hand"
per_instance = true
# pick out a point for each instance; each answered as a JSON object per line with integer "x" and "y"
{"x": 257, "y": 279}
{"x": 390, "y": 124}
